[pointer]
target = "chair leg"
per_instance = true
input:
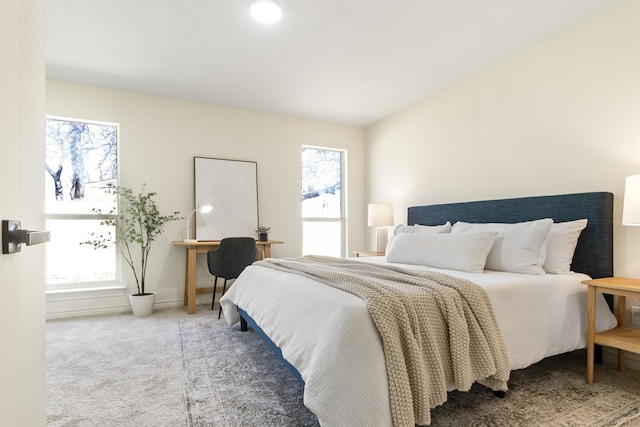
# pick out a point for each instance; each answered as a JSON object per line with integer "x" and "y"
{"x": 224, "y": 289}
{"x": 215, "y": 286}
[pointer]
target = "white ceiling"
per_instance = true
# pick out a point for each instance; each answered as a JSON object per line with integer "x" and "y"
{"x": 352, "y": 62}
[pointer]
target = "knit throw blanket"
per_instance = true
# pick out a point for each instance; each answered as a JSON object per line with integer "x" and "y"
{"x": 436, "y": 330}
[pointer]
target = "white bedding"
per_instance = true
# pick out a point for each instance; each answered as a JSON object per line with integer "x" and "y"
{"x": 329, "y": 337}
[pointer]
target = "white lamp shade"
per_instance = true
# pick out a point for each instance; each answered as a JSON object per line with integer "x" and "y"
{"x": 380, "y": 214}
{"x": 203, "y": 209}
{"x": 631, "y": 207}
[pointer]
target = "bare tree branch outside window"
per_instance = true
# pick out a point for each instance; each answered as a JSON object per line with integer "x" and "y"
{"x": 320, "y": 172}
{"x": 81, "y": 162}
{"x": 77, "y": 154}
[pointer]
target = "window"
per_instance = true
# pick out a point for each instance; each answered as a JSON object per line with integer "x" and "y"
{"x": 81, "y": 159}
{"x": 323, "y": 225}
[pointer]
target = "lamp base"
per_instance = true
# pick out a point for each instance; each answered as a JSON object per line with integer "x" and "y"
{"x": 190, "y": 240}
{"x": 382, "y": 239}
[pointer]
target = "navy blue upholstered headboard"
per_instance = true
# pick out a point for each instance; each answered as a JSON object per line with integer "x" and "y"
{"x": 594, "y": 253}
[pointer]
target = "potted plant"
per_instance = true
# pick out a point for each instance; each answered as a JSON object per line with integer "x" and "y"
{"x": 263, "y": 233}
{"x": 137, "y": 225}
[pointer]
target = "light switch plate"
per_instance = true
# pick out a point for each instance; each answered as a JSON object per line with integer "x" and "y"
{"x": 635, "y": 316}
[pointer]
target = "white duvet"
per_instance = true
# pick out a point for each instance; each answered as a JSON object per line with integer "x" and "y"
{"x": 329, "y": 337}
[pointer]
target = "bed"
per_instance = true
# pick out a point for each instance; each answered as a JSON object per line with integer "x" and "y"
{"x": 328, "y": 338}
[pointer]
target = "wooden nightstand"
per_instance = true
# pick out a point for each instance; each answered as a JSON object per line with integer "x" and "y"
{"x": 367, "y": 253}
{"x": 624, "y": 339}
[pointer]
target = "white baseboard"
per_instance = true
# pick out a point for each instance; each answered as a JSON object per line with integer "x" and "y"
{"x": 118, "y": 309}
{"x": 123, "y": 309}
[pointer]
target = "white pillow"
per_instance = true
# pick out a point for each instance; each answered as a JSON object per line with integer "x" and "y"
{"x": 463, "y": 252}
{"x": 563, "y": 238}
{"x": 425, "y": 229}
{"x": 518, "y": 248}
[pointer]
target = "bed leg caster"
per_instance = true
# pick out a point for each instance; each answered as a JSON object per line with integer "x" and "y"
{"x": 243, "y": 325}
{"x": 500, "y": 394}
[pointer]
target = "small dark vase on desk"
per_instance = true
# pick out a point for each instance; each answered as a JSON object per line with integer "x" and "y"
{"x": 263, "y": 237}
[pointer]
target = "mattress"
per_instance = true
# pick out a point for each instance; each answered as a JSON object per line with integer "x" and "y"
{"x": 329, "y": 337}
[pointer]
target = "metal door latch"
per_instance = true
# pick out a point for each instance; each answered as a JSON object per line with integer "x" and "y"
{"x": 13, "y": 236}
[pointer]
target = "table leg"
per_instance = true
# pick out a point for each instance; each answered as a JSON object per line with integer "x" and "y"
{"x": 186, "y": 277}
{"x": 267, "y": 251}
{"x": 191, "y": 280}
{"x": 591, "y": 320}
{"x": 622, "y": 305}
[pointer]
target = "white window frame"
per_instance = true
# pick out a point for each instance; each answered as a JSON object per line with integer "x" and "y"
{"x": 116, "y": 287}
{"x": 343, "y": 191}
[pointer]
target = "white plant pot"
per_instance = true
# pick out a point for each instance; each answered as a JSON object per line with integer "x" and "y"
{"x": 142, "y": 305}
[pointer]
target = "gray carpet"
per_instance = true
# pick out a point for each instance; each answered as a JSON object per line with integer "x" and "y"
{"x": 173, "y": 369}
{"x": 115, "y": 370}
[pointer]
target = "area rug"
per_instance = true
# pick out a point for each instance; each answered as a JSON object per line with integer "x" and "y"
{"x": 231, "y": 378}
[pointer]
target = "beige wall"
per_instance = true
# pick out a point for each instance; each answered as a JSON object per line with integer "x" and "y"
{"x": 562, "y": 117}
{"x": 23, "y": 398}
{"x": 159, "y": 138}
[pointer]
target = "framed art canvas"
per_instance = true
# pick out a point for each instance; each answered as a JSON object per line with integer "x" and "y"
{"x": 231, "y": 188}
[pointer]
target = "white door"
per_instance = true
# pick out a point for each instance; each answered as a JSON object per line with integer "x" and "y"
{"x": 22, "y": 276}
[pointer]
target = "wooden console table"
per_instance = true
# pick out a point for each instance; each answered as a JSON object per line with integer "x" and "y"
{"x": 199, "y": 247}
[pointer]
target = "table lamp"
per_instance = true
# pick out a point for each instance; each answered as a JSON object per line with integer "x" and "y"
{"x": 381, "y": 216}
{"x": 203, "y": 209}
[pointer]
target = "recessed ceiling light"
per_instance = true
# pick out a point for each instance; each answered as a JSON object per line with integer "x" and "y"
{"x": 266, "y": 11}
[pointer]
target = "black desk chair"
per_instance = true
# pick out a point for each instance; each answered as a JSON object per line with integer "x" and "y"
{"x": 227, "y": 261}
